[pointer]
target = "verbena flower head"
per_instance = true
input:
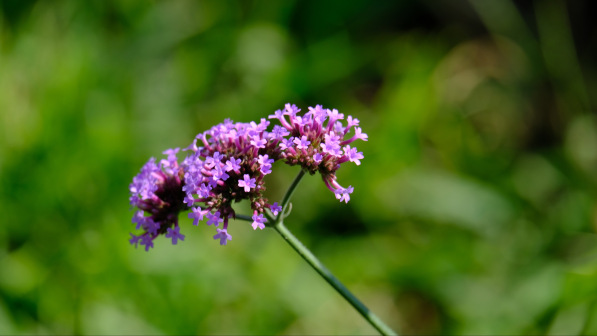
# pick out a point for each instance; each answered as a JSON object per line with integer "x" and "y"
{"x": 228, "y": 163}
{"x": 320, "y": 143}
{"x": 157, "y": 191}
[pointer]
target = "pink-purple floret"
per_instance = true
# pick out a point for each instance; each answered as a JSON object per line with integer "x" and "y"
{"x": 228, "y": 163}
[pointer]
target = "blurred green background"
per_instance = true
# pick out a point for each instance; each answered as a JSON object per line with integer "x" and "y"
{"x": 474, "y": 210}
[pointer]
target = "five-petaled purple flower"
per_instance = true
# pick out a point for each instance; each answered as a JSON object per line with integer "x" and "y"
{"x": 174, "y": 233}
{"x": 258, "y": 221}
{"x": 214, "y": 219}
{"x": 275, "y": 208}
{"x": 247, "y": 183}
{"x": 223, "y": 236}
{"x": 302, "y": 143}
{"x": 197, "y": 214}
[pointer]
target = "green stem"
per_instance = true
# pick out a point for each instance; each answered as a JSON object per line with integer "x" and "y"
{"x": 244, "y": 217}
{"x": 278, "y": 224}
{"x": 289, "y": 192}
{"x": 310, "y": 258}
{"x": 375, "y": 321}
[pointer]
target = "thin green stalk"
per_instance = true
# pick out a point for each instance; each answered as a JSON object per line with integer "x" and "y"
{"x": 289, "y": 192}
{"x": 310, "y": 258}
{"x": 296, "y": 244}
{"x": 244, "y": 217}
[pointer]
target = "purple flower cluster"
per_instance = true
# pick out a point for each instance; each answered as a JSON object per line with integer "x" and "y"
{"x": 228, "y": 163}
{"x": 157, "y": 191}
{"x": 318, "y": 143}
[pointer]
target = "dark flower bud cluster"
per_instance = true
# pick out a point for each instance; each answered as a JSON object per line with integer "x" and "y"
{"x": 228, "y": 163}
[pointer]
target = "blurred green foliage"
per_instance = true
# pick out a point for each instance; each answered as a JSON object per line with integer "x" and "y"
{"x": 474, "y": 210}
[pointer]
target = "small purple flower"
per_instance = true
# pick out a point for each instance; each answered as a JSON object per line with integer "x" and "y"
{"x": 147, "y": 241}
{"x": 338, "y": 128}
{"x": 192, "y": 146}
{"x": 171, "y": 153}
{"x": 265, "y": 169}
{"x": 254, "y": 128}
{"x": 214, "y": 218}
{"x": 350, "y": 122}
{"x": 175, "y": 234}
{"x": 266, "y": 164}
{"x": 331, "y": 145}
{"x": 139, "y": 218}
{"x": 344, "y": 194}
{"x": 247, "y": 183}
{"x": 134, "y": 239}
{"x": 218, "y": 157}
{"x": 300, "y": 121}
{"x": 277, "y": 115}
{"x": 275, "y": 208}
{"x": 319, "y": 114}
{"x": 151, "y": 226}
{"x": 331, "y": 148}
{"x": 286, "y": 143}
{"x": 223, "y": 236}
{"x": 334, "y": 115}
{"x": 189, "y": 200}
{"x": 257, "y": 142}
{"x": 263, "y": 123}
{"x": 331, "y": 139}
{"x": 352, "y": 155}
{"x": 317, "y": 157}
{"x": 258, "y": 221}
{"x": 280, "y": 116}
{"x": 232, "y": 164}
{"x": 197, "y": 214}
{"x": 291, "y": 110}
{"x": 219, "y": 174}
{"x": 360, "y": 135}
{"x": 189, "y": 187}
{"x": 170, "y": 164}
{"x": 302, "y": 143}
{"x": 279, "y": 132}
{"x": 265, "y": 160}
{"x": 146, "y": 182}
{"x": 211, "y": 161}
{"x": 204, "y": 190}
